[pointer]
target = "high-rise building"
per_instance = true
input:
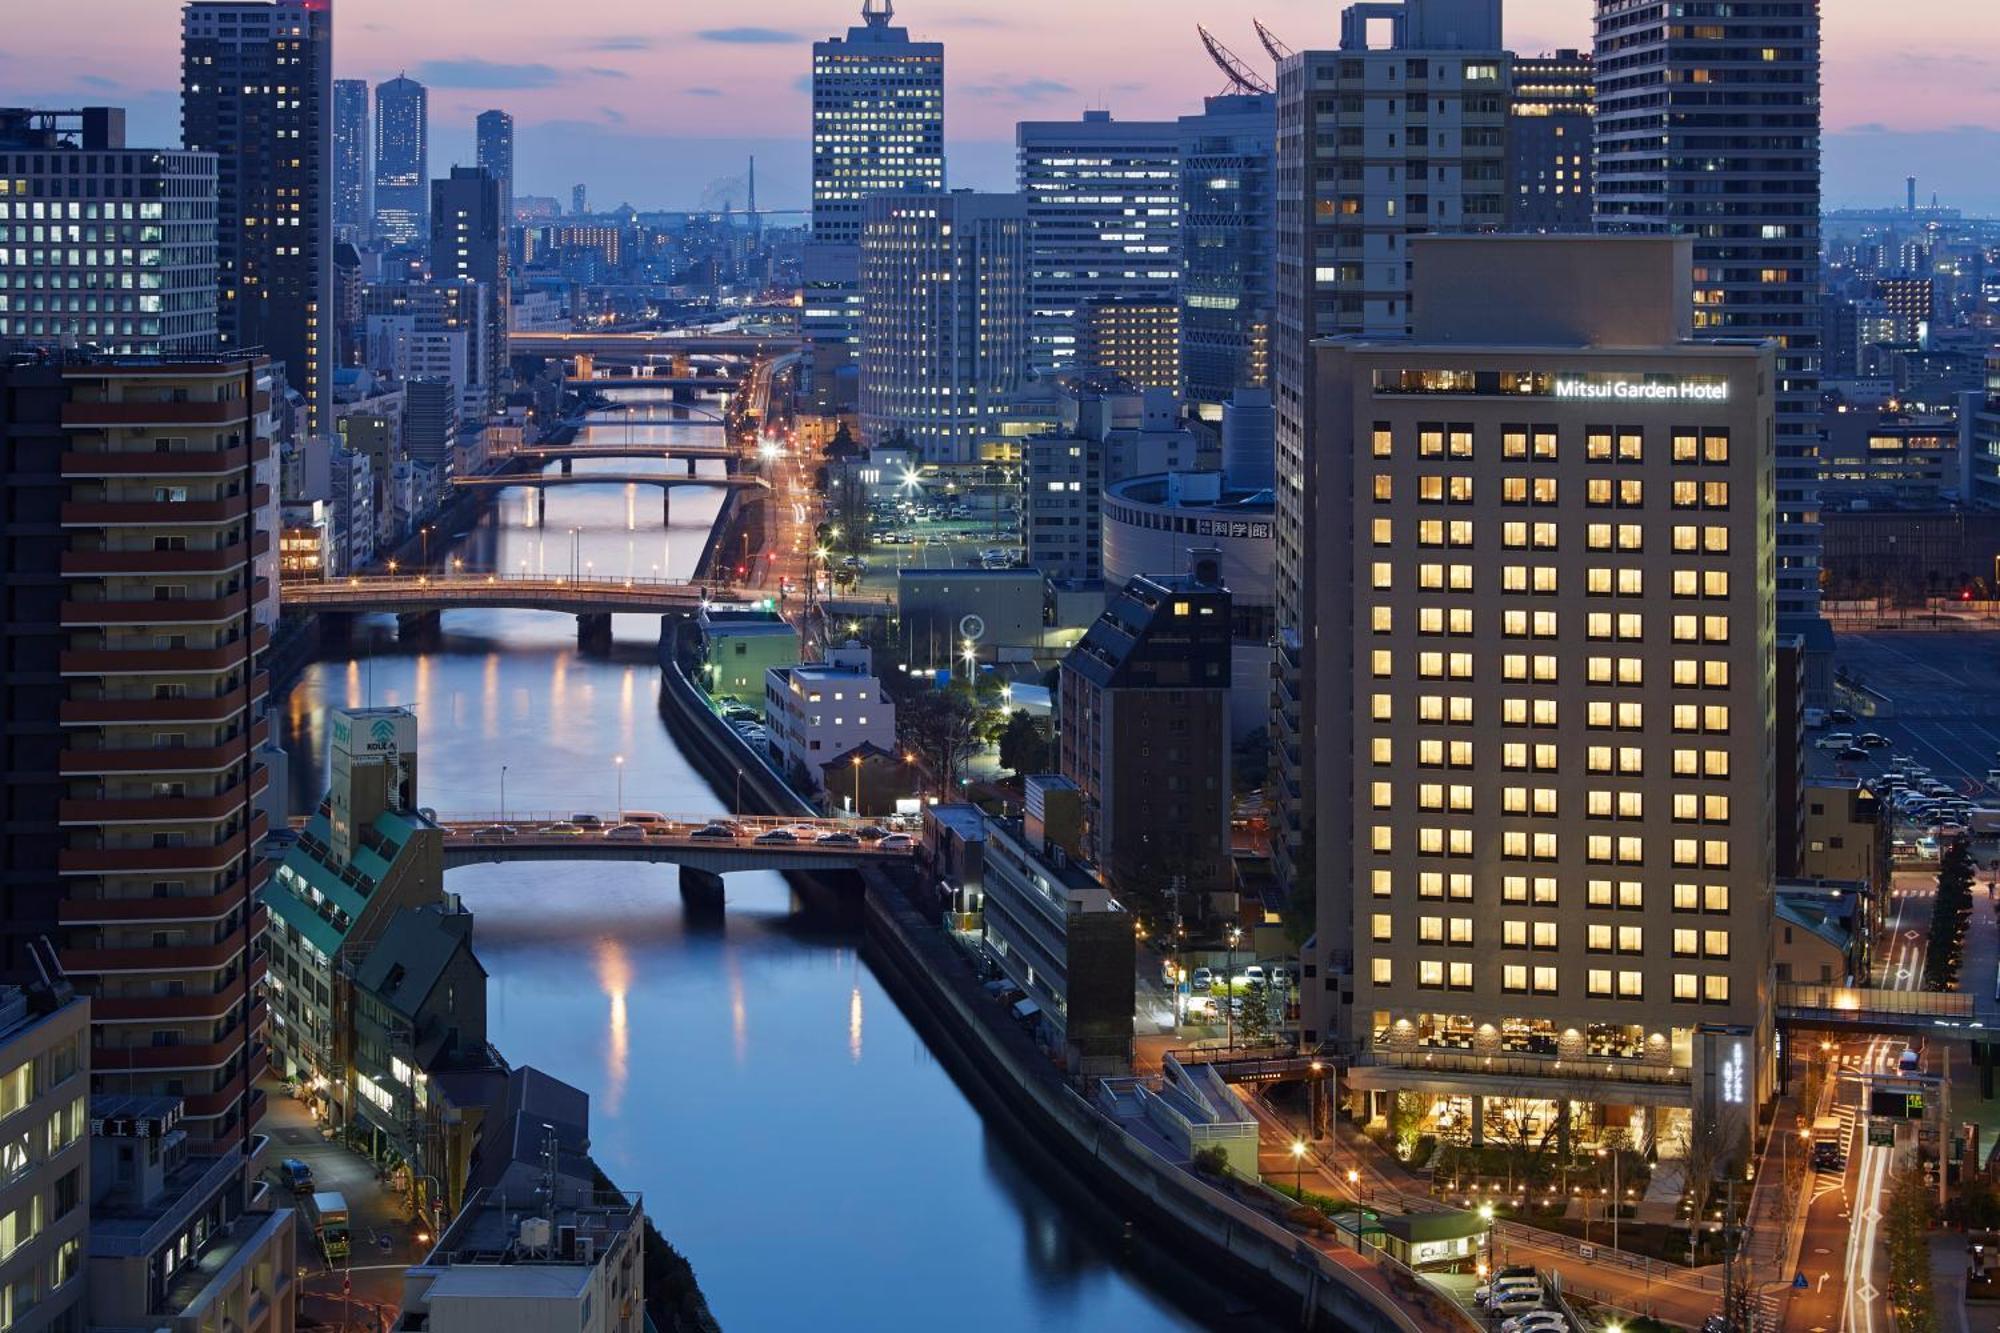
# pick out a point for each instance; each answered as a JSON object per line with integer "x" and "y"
{"x": 1545, "y": 755}
{"x": 44, "y": 1047}
{"x": 134, "y": 709}
{"x": 151, "y": 288}
{"x": 1432, "y": 106}
{"x": 579, "y": 201}
{"x": 944, "y": 336}
{"x": 353, "y": 193}
{"x": 1711, "y": 129}
{"x": 1104, "y": 220}
{"x": 1227, "y": 266}
{"x": 402, "y": 162}
{"x": 1136, "y": 339}
{"x": 877, "y": 128}
{"x": 1549, "y": 144}
{"x": 469, "y": 244}
{"x": 256, "y": 90}
{"x": 495, "y": 130}
{"x": 1145, "y": 733}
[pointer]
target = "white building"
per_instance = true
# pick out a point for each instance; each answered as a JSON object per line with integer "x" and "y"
{"x": 815, "y": 712}
{"x": 944, "y": 334}
{"x": 878, "y": 127}
{"x": 577, "y": 1267}
{"x": 1104, "y": 212}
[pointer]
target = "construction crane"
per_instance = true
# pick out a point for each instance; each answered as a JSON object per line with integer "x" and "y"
{"x": 1242, "y": 79}
{"x": 1271, "y": 43}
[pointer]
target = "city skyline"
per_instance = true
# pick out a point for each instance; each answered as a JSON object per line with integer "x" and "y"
{"x": 625, "y": 90}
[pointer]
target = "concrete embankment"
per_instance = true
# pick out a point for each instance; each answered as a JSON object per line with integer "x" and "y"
{"x": 1013, "y": 1082}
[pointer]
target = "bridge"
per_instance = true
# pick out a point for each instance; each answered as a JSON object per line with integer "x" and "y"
{"x": 728, "y": 843}
{"x": 666, "y": 479}
{"x": 630, "y": 383}
{"x": 658, "y": 343}
{"x": 565, "y": 453}
{"x": 1877, "y": 1010}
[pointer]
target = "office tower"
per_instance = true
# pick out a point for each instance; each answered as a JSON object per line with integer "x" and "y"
{"x": 579, "y": 201}
{"x": 1342, "y": 268}
{"x": 469, "y": 244}
{"x": 402, "y": 163}
{"x": 1062, "y": 506}
{"x": 134, "y": 709}
{"x": 430, "y": 421}
{"x": 1711, "y": 129}
{"x": 877, "y": 128}
{"x": 1549, "y": 144}
{"x": 1227, "y": 210}
{"x": 1135, "y": 339}
{"x": 44, "y": 1045}
{"x": 944, "y": 337}
{"x": 353, "y": 195}
{"x": 1104, "y": 220}
{"x": 495, "y": 130}
{"x": 1145, "y": 734}
{"x": 256, "y": 90}
{"x": 1545, "y": 790}
{"x": 152, "y": 287}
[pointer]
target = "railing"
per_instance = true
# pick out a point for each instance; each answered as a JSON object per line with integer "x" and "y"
{"x": 1581, "y": 1068}
{"x": 1856, "y": 1003}
{"x": 1658, "y": 1270}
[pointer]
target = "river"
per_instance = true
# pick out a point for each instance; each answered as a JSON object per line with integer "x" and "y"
{"x": 788, "y": 1128}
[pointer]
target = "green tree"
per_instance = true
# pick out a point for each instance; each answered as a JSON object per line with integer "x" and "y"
{"x": 1906, "y": 1225}
{"x": 1023, "y": 747}
{"x": 1951, "y": 913}
{"x": 941, "y": 727}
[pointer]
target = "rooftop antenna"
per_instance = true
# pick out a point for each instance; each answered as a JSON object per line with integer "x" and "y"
{"x": 1242, "y": 79}
{"x": 1270, "y": 40}
{"x": 878, "y": 13}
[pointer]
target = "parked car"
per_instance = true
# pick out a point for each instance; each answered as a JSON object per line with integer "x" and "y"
{"x": 896, "y": 842}
{"x": 836, "y": 838}
{"x": 1871, "y": 739}
{"x": 296, "y": 1176}
{"x": 1519, "y": 1301}
{"x": 1838, "y": 740}
{"x": 1537, "y": 1321}
{"x": 1253, "y": 976}
{"x": 587, "y": 821}
{"x": 871, "y": 833}
{"x": 1839, "y": 715}
{"x": 1852, "y": 754}
{"x": 1201, "y": 980}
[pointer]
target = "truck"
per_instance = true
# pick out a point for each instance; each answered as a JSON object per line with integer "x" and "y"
{"x": 1983, "y": 821}
{"x": 328, "y": 1211}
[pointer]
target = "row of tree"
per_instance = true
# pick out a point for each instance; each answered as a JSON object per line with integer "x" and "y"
{"x": 1951, "y": 914}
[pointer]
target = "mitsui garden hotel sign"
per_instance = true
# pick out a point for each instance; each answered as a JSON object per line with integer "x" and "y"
{"x": 1608, "y": 386}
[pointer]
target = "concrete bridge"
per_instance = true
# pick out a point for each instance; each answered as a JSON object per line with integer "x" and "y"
{"x": 671, "y": 387}
{"x": 418, "y": 601}
{"x": 655, "y": 343}
{"x": 732, "y": 843}
{"x": 568, "y": 453}
{"x": 666, "y": 479}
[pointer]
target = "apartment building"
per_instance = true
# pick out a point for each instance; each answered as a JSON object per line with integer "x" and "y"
{"x": 1546, "y": 609}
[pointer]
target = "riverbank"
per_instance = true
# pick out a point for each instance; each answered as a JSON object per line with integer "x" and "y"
{"x": 1018, "y": 1090}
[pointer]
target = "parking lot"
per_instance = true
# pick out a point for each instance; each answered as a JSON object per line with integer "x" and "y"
{"x": 1939, "y": 704}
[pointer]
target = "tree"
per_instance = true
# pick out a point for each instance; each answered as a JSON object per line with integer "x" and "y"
{"x": 1023, "y": 747}
{"x": 1510, "y": 1123}
{"x": 1951, "y": 913}
{"x": 941, "y": 728}
{"x": 842, "y": 445}
{"x": 1906, "y": 1226}
{"x": 1701, "y": 1146}
{"x": 848, "y": 515}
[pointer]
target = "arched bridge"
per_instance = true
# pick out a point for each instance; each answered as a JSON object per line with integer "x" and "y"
{"x": 421, "y": 595}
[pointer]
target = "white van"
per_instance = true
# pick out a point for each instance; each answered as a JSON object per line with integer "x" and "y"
{"x": 1504, "y": 1287}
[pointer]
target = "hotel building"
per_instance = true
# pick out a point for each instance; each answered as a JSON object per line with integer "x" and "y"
{"x": 1545, "y": 773}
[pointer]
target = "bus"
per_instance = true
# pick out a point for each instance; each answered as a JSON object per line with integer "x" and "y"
{"x": 328, "y": 1210}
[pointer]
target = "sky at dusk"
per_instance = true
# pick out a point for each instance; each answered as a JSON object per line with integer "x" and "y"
{"x": 657, "y": 103}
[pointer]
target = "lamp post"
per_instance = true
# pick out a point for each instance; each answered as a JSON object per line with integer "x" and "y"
{"x": 503, "y": 793}
{"x": 1235, "y": 933}
{"x": 857, "y": 785}
{"x": 1299, "y": 1170}
{"x": 618, "y": 761}
{"x": 1486, "y": 1240}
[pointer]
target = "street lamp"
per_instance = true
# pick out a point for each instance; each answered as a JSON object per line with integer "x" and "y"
{"x": 618, "y": 760}
{"x": 503, "y": 793}
{"x": 1299, "y": 1169}
{"x": 1235, "y": 933}
{"x": 1486, "y": 1216}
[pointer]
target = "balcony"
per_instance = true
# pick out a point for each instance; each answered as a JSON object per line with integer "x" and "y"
{"x": 165, "y": 412}
{"x": 149, "y": 958}
{"x": 149, "y": 561}
{"x": 208, "y": 1055}
{"x": 161, "y": 809}
{"x": 164, "y": 758}
{"x": 154, "y": 661}
{"x": 196, "y": 858}
{"x": 127, "y": 911}
{"x": 186, "y": 708}
{"x": 174, "y": 611}
{"x": 185, "y": 463}
{"x": 209, "y": 1106}
{"x": 162, "y": 513}
{"x": 164, "y": 1008}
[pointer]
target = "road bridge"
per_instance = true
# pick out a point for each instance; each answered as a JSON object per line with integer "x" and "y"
{"x": 656, "y": 343}
{"x": 419, "y": 601}
{"x": 666, "y": 479}
{"x": 717, "y": 844}
{"x": 668, "y": 385}
{"x": 564, "y": 453}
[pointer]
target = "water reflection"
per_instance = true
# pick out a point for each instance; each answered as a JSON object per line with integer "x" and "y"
{"x": 614, "y": 973}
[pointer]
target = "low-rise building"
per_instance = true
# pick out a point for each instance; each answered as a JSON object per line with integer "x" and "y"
{"x": 814, "y": 713}
{"x": 997, "y": 612}
{"x": 1057, "y": 933}
{"x": 307, "y": 541}
{"x": 172, "y": 1244}
{"x": 1062, "y": 495}
{"x": 574, "y": 1263}
{"x": 44, "y": 1070}
{"x": 739, "y": 646}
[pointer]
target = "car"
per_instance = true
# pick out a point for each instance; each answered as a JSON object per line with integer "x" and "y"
{"x": 1838, "y": 740}
{"x": 896, "y": 842}
{"x": 1517, "y": 1270}
{"x": 587, "y": 821}
{"x": 739, "y": 713}
{"x": 492, "y": 833}
{"x": 561, "y": 830}
{"x": 1518, "y": 1301}
{"x": 1839, "y": 715}
{"x": 771, "y": 837}
{"x": 625, "y": 833}
{"x": 836, "y": 838}
{"x": 1502, "y": 1288}
{"x": 296, "y": 1176}
{"x": 1853, "y": 754}
{"x": 721, "y": 832}
{"x": 871, "y": 832}
{"x": 1537, "y": 1321}
{"x": 1200, "y": 980}
{"x": 665, "y": 829}
{"x": 1827, "y": 1157}
{"x": 1254, "y": 977}
{"x": 1871, "y": 739}
{"x": 1908, "y": 1061}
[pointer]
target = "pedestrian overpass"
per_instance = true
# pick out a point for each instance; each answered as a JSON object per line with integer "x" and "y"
{"x": 1879, "y": 1011}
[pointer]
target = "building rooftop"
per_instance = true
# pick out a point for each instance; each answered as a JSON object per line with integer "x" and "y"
{"x": 967, "y": 822}
{"x": 1157, "y": 489}
{"x": 523, "y": 1281}
{"x": 490, "y": 1229}
{"x": 413, "y": 952}
{"x": 343, "y": 890}
{"x": 1071, "y": 874}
